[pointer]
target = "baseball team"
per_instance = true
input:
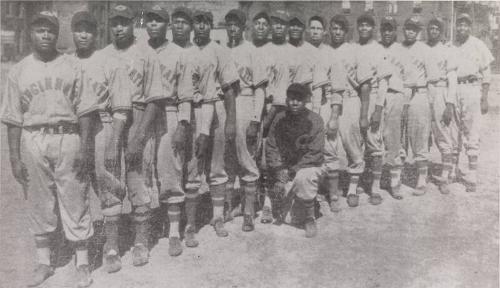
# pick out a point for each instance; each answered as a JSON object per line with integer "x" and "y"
{"x": 158, "y": 121}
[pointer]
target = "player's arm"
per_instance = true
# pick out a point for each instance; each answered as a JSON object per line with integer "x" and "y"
{"x": 112, "y": 151}
{"x": 364, "y": 94}
{"x": 230, "y": 93}
{"x": 84, "y": 163}
{"x": 376, "y": 117}
{"x": 18, "y": 168}
{"x": 332, "y": 126}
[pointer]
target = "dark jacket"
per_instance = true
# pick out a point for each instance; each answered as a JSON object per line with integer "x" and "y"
{"x": 295, "y": 141}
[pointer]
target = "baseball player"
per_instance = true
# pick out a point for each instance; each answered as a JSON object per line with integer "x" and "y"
{"x": 370, "y": 51}
{"x": 251, "y": 67}
{"x": 175, "y": 100}
{"x": 214, "y": 118}
{"x": 442, "y": 85}
{"x": 51, "y": 116}
{"x": 343, "y": 75}
{"x": 474, "y": 78}
{"x": 416, "y": 110}
{"x": 294, "y": 152}
{"x": 285, "y": 68}
{"x": 127, "y": 107}
{"x": 385, "y": 120}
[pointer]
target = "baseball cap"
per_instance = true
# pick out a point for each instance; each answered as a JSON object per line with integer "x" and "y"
{"x": 317, "y": 18}
{"x": 297, "y": 91}
{"x": 280, "y": 14}
{"x": 49, "y": 16}
{"x": 261, "y": 14}
{"x": 207, "y": 15}
{"x": 184, "y": 11}
{"x": 342, "y": 20}
{"x": 122, "y": 11}
{"x": 366, "y": 17}
{"x": 238, "y": 14}
{"x": 464, "y": 16}
{"x": 413, "y": 22}
{"x": 389, "y": 20}
{"x": 298, "y": 17}
{"x": 436, "y": 21}
{"x": 159, "y": 11}
{"x": 83, "y": 16}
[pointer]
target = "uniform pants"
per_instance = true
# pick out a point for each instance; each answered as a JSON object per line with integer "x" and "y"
{"x": 469, "y": 115}
{"x": 334, "y": 153}
{"x": 213, "y": 164}
{"x": 305, "y": 183}
{"x": 419, "y": 124}
{"x": 445, "y": 137}
{"x": 386, "y": 141}
{"x": 170, "y": 163}
{"x": 49, "y": 159}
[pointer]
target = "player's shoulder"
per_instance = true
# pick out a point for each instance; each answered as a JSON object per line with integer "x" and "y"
{"x": 17, "y": 68}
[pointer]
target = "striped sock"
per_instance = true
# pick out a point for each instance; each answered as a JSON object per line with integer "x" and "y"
{"x": 395, "y": 176}
{"x": 447, "y": 160}
{"x": 250, "y": 189}
{"x": 217, "y": 192}
{"x": 42, "y": 243}
{"x": 82, "y": 253}
{"x": 377, "y": 173}
{"x": 333, "y": 184}
{"x": 111, "y": 232}
{"x": 353, "y": 184}
{"x": 422, "y": 173}
{"x": 191, "y": 206}
{"x": 473, "y": 168}
{"x": 174, "y": 215}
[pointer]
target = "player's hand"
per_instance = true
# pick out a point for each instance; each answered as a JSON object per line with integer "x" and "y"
{"x": 252, "y": 135}
{"x": 375, "y": 118}
{"x": 179, "y": 140}
{"x": 20, "y": 172}
{"x": 112, "y": 160}
{"x": 133, "y": 156}
{"x": 201, "y": 146}
{"x": 484, "y": 105}
{"x": 83, "y": 164}
{"x": 230, "y": 131}
{"x": 448, "y": 114}
{"x": 332, "y": 129}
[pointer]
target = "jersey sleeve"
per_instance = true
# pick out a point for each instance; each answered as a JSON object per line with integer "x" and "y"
{"x": 85, "y": 92}
{"x": 120, "y": 89}
{"x": 10, "y": 108}
{"x": 226, "y": 69}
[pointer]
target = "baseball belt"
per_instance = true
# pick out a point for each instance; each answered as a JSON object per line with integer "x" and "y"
{"x": 65, "y": 128}
{"x": 467, "y": 79}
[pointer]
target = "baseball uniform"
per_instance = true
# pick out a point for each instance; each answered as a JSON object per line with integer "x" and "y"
{"x": 46, "y": 99}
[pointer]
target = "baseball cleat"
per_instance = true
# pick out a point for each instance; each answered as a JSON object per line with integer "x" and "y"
{"x": 174, "y": 246}
{"x": 311, "y": 229}
{"x": 140, "y": 255}
{"x": 41, "y": 273}
{"x": 352, "y": 200}
{"x": 375, "y": 199}
{"x": 419, "y": 191}
{"x": 219, "y": 228}
{"x": 267, "y": 215}
{"x": 112, "y": 262}
{"x": 396, "y": 192}
{"x": 247, "y": 223}
{"x": 83, "y": 275}
{"x": 190, "y": 240}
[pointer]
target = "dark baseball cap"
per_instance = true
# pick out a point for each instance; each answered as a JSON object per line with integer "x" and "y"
{"x": 261, "y": 14}
{"x": 122, "y": 11}
{"x": 366, "y": 17}
{"x": 159, "y": 11}
{"x": 281, "y": 15}
{"x": 317, "y": 18}
{"x": 48, "y": 16}
{"x": 436, "y": 21}
{"x": 342, "y": 20}
{"x": 83, "y": 16}
{"x": 464, "y": 17}
{"x": 389, "y": 20}
{"x": 297, "y": 91}
{"x": 205, "y": 15}
{"x": 413, "y": 22}
{"x": 297, "y": 17}
{"x": 238, "y": 14}
{"x": 183, "y": 12}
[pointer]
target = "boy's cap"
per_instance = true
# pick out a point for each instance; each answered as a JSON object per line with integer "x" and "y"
{"x": 122, "y": 11}
{"x": 297, "y": 91}
{"x": 82, "y": 16}
{"x": 159, "y": 11}
{"x": 49, "y": 16}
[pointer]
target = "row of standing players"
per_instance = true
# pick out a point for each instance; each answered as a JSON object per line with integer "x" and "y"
{"x": 183, "y": 113}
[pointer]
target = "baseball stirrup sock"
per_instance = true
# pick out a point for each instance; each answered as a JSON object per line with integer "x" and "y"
{"x": 217, "y": 192}
{"x": 141, "y": 225}
{"x": 111, "y": 232}
{"x": 309, "y": 207}
{"x": 377, "y": 173}
{"x": 229, "y": 195}
{"x": 191, "y": 205}
{"x": 473, "y": 168}
{"x": 82, "y": 253}
{"x": 333, "y": 184}
{"x": 422, "y": 173}
{"x": 42, "y": 243}
{"x": 353, "y": 183}
{"x": 447, "y": 160}
{"x": 174, "y": 215}
{"x": 250, "y": 193}
{"x": 395, "y": 177}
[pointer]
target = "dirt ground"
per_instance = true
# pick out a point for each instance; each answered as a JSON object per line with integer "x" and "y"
{"x": 430, "y": 241}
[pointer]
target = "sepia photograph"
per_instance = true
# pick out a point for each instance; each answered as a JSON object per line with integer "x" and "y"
{"x": 347, "y": 144}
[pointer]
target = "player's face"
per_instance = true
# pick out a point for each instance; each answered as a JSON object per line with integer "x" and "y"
{"x": 279, "y": 28}
{"x": 316, "y": 31}
{"x": 463, "y": 29}
{"x": 122, "y": 29}
{"x": 365, "y": 30}
{"x": 388, "y": 34}
{"x": 433, "y": 32}
{"x": 337, "y": 33}
{"x": 155, "y": 26}
{"x": 181, "y": 28}
{"x": 201, "y": 29}
{"x": 234, "y": 29}
{"x": 260, "y": 29}
{"x": 296, "y": 30}
{"x": 84, "y": 36}
{"x": 44, "y": 36}
{"x": 410, "y": 33}
{"x": 295, "y": 105}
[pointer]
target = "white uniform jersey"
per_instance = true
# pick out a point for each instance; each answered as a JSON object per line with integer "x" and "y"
{"x": 96, "y": 78}
{"x": 442, "y": 60}
{"x": 416, "y": 61}
{"x": 372, "y": 53}
{"x": 474, "y": 59}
